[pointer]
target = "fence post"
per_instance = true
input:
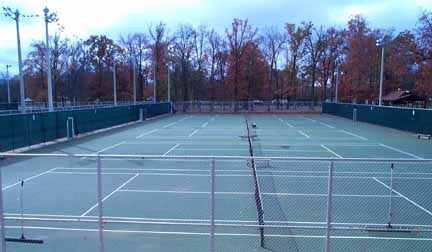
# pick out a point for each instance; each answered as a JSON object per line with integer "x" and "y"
{"x": 390, "y": 212}
{"x": 212, "y": 203}
{"x": 2, "y": 225}
{"x": 329, "y": 206}
{"x": 100, "y": 208}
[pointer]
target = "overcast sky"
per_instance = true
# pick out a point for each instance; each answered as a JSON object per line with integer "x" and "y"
{"x": 113, "y": 18}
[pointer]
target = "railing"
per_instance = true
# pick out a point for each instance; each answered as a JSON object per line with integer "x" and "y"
{"x": 37, "y": 107}
{"x": 247, "y": 106}
{"x": 309, "y": 204}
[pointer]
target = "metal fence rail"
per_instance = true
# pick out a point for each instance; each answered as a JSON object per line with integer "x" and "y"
{"x": 40, "y": 107}
{"x": 332, "y": 202}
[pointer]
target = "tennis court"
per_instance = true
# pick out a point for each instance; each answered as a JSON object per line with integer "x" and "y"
{"x": 187, "y": 183}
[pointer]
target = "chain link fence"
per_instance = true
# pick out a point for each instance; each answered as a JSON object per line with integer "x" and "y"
{"x": 247, "y": 106}
{"x": 81, "y": 202}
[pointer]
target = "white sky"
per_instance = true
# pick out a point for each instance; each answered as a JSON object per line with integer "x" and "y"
{"x": 112, "y": 18}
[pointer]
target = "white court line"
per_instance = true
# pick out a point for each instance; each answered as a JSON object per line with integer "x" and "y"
{"x": 354, "y": 135}
{"x": 110, "y": 147}
{"x": 217, "y": 234}
{"x": 107, "y": 148}
{"x": 268, "y": 145}
{"x": 168, "y": 125}
{"x": 28, "y": 179}
{"x": 193, "y": 133}
{"x": 309, "y": 119}
{"x": 172, "y": 148}
{"x": 289, "y": 125}
{"x": 263, "y": 193}
{"x": 400, "y": 151}
{"x": 403, "y": 196}
{"x": 304, "y": 134}
{"x": 181, "y": 120}
{"x": 204, "y": 125}
{"x": 92, "y": 173}
{"x": 327, "y": 125}
{"x": 328, "y": 149}
{"x": 283, "y": 121}
{"x": 146, "y": 133}
{"x": 245, "y": 149}
{"x": 109, "y": 195}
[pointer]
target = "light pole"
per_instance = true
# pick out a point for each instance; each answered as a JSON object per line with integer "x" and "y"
{"x": 7, "y": 83}
{"x": 134, "y": 82}
{"x": 49, "y": 18}
{"x": 15, "y": 15}
{"x": 380, "y": 43}
{"x": 114, "y": 84}
{"x": 154, "y": 84}
{"x": 169, "y": 85}
{"x": 337, "y": 83}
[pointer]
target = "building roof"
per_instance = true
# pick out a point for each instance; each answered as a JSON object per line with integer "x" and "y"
{"x": 396, "y": 95}
{"x": 401, "y": 95}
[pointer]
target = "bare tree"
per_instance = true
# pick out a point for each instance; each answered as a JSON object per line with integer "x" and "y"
{"x": 315, "y": 49}
{"x": 333, "y": 42}
{"x": 160, "y": 42}
{"x": 136, "y": 47}
{"x": 295, "y": 51}
{"x": 273, "y": 42}
{"x": 200, "y": 44}
{"x": 183, "y": 50}
{"x": 216, "y": 45}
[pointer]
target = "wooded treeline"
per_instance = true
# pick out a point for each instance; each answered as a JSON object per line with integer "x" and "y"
{"x": 294, "y": 62}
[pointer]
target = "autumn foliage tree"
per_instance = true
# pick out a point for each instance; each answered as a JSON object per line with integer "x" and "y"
{"x": 277, "y": 64}
{"x": 360, "y": 67}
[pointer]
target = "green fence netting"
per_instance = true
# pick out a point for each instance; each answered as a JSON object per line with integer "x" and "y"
{"x": 22, "y": 130}
{"x": 8, "y": 106}
{"x": 407, "y": 119}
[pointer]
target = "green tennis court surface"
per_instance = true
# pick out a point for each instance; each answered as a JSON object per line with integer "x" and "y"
{"x": 164, "y": 203}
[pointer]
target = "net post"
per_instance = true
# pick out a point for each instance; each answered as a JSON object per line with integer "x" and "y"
{"x": 212, "y": 210}
{"x": 329, "y": 206}
{"x": 2, "y": 225}
{"x": 390, "y": 210}
{"x": 100, "y": 207}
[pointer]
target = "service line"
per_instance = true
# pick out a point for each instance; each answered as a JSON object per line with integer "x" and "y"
{"x": 193, "y": 133}
{"x": 172, "y": 148}
{"x": 304, "y": 134}
{"x": 146, "y": 133}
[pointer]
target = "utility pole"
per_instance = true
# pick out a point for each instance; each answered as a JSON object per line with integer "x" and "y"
{"x": 114, "y": 84}
{"x": 7, "y": 83}
{"x": 49, "y": 18}
{"x": 15, "y": 15}
{"x": 380, "y": 43}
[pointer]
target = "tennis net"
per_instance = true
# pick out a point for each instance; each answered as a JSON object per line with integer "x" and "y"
{"x": 257, "y": 194}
